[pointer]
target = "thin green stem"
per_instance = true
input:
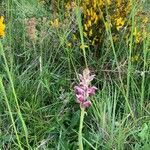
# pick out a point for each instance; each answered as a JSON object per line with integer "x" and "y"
{"x": 79, "y": 22}
{"x": 14, "y": 93}
{"x": 10, "y": 16}
{"x": 145, "y": 51}
{"x": 80, "y": 129}
{"x": 130, "y": 53}
{"x": 10, "y": 112}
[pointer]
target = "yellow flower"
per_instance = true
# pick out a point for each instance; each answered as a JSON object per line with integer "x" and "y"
{"x": 94, "y": 4}
{"x": 85, "y": 27}
{"x": 145, "y": 20}
{"x": 118, "y": 3}
{"x": 88, "y": 12}
{"x": 119, "y": 23}
{"x": 135, "y": 58}
{"x": 138, "y": 37}
{"x": 96, "y": 19}
{"x": 108, "y": 2}
{"x": 69, "y": 45}
{"x": 89, "y": 23}
{"x": 55, "y": 23}
{"x": 100, "y": 2}
{"x": 2, "y": 27}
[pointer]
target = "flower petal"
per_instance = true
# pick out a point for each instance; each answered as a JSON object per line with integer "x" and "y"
{"x": 80, "y": 98}
{"x": 91, "y": 90}
{"x": 86, "y": 104}
{"x": 79, "y": 89}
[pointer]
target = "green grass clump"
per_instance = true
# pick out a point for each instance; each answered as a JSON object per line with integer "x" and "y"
{"x": 41, "y": 55}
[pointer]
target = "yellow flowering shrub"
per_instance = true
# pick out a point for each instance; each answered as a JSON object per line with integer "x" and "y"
{"x": 2, "y": 27}
{"x": 100, "y": 15}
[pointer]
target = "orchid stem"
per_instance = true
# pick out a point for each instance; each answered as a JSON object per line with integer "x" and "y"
{"x": 80, "y": 129}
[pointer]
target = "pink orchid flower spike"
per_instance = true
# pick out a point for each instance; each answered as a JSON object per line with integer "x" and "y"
{"x": 84, "y": 90}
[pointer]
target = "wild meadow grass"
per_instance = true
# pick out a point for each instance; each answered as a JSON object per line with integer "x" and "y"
{"x": 42, "y": 53}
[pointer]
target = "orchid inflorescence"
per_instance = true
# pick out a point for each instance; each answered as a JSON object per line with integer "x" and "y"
{"x": 84, "y": 90}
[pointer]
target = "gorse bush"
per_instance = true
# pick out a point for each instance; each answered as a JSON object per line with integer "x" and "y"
{"x": 100, "y": 16}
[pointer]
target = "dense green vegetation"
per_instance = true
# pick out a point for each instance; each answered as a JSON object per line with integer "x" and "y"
{"x": 43, "y": 51}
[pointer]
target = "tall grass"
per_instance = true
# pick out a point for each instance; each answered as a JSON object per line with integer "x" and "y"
{"x": 38, "y": 108}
